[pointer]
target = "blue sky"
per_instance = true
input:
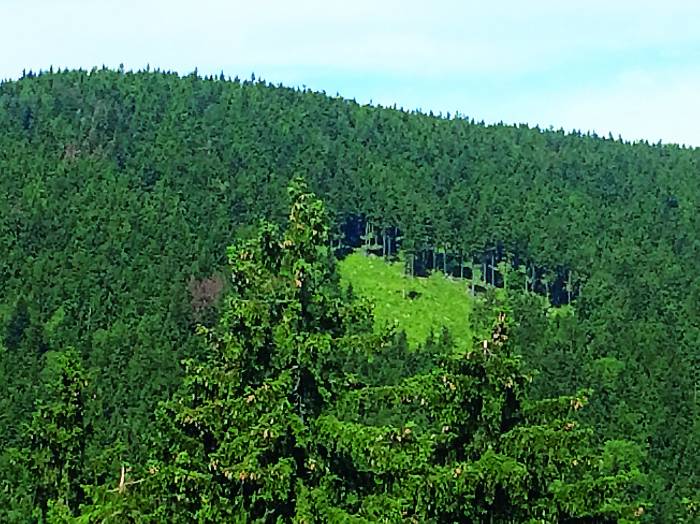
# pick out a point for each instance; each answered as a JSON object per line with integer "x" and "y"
{"x": 627, "y": 67}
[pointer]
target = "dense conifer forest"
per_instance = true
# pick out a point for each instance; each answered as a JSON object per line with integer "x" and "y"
{"x": 176, "y": 346}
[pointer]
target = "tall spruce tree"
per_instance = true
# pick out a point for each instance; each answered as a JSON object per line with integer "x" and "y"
{"x": 240, "y": 428}
{"x": 56, "y": 438}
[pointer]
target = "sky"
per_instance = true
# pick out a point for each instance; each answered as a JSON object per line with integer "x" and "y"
{"x": 626, "y": 67}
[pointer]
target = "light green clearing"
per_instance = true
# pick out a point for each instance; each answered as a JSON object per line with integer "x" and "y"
{"x": 437, "y": 301}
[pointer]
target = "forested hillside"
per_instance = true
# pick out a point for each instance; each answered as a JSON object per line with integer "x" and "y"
{"x": 119, "y": 193}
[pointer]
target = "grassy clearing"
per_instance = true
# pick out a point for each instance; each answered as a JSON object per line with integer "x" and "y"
{"x": 415, "y": 304}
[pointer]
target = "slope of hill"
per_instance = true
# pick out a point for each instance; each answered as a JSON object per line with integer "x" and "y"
{"x": 417, "y": 306}
{"x": 120, "y": 191}
{"x": 301, "y": 410}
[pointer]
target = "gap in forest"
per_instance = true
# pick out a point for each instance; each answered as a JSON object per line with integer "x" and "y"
{"x": 495, "y": 266}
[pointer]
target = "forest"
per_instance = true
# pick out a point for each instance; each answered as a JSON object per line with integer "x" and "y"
{"x": 176, "y": 345}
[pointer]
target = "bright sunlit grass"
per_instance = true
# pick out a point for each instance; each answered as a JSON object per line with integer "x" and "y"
{"x": 415, "y": 304}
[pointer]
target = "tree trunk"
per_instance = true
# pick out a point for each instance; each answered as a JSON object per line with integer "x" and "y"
{"x": 493, "y": 269}
{"x": 410, "y": 264}
{"x": 473, "y": 278}
{"x": 526, "y": 279}
{"x": 366, "y": 239}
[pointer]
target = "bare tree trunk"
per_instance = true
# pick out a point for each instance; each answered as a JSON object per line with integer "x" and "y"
{"x": 526, "y": 279}
{"x": 366, "y": 239}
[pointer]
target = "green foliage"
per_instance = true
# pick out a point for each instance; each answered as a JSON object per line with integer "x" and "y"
{"x": 55, "y": 440}
{"x": 278, "y": 423}
{"x": 237, "y": 436}
{"x": 119, "y": 189}
{"x": 414, "y": 305}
